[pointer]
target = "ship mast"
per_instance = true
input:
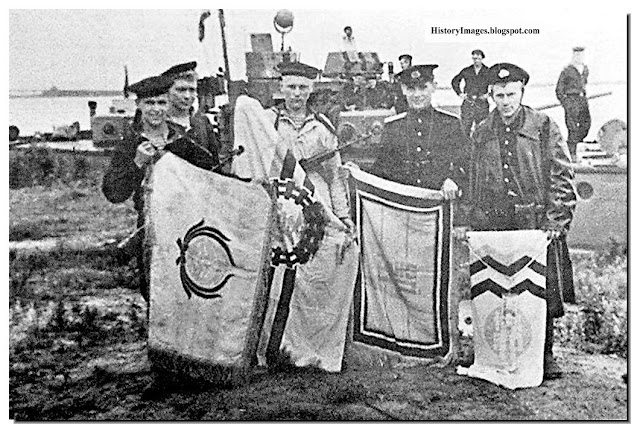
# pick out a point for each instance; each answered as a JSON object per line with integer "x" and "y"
{"x": 227, "y": 74}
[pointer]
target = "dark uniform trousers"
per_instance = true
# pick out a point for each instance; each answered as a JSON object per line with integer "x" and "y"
{"x": 578, "y": 119}
{"x": 472, "y": 112}
{"x": 474, "y": 108}
{"x": 571, "y": 92}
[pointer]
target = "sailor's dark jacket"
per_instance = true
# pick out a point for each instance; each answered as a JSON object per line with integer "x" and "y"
{"x": 572, "y": 82}
{"x": 124, "y": 178}
{"x": 544, "y": 172}
{"x": 423, "y": 148}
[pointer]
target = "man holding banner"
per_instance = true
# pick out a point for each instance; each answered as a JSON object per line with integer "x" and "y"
{"x": 310, "y": 293}
{"x": 521, "y": 179}
{"x": 149, "y": 137}
{"x": 423, "y": 147}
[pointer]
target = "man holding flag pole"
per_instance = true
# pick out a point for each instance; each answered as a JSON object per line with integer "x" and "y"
{"x": 311, "y": 294}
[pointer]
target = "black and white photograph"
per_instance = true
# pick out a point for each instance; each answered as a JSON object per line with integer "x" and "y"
{"x": 333, "y": 212}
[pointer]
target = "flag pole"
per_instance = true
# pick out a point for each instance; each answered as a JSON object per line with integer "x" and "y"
{"x": 126, "y": 82}
{"x": 227, "y": 74}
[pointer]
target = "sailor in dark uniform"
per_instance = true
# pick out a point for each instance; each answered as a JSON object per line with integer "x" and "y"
{"x": 399, "y": 100}
{"x": 182, "y": 95}
{"x": 423, "y": 147}
{"x": 572, "y": 94}
{"x": 521, "y": 179}
{"x": 475, "y": 94}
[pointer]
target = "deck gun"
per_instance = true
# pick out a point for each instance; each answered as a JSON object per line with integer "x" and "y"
{"x": 318, "y": 159}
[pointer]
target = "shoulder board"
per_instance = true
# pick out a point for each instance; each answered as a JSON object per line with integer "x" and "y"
{"x": 394, "y": 118}
{"x": 325, "y": 121}
{"x": 446, "y": 113}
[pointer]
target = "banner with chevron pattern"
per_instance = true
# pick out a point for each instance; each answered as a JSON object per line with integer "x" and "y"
{"x": 508, "y": 281}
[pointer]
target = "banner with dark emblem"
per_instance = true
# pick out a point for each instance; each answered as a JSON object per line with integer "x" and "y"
{"x": 402, "y": 295}
{"x": 209, "y": 241}
{"x": 508, "y": 281}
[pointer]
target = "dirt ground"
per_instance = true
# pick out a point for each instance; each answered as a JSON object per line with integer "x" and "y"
{"x": 101, "y": 373}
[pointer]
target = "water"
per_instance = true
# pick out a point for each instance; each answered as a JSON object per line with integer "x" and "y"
{"x": 37, "y": 114}
{"x": 41, "y": 114}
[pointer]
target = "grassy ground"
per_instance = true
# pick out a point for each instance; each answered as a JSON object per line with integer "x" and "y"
{"x": 78, "y": 343}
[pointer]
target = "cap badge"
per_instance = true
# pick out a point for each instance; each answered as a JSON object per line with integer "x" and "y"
{"x": 415, "y": 74}
{"x": 503, "y": 73}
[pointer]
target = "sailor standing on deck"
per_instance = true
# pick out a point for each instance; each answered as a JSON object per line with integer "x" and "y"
{"x": 475, "y": 105}
{"x": 521, "y": 179}
{"x": 572, "y": 93}
{"x": 182, "y": 95}
{"x": 400, "y": 101}
{"x": 423, "y": 147}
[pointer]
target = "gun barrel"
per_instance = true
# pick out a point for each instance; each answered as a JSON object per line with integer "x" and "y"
{"x": 326, "y": 155}
{"x": 557, "y": 104}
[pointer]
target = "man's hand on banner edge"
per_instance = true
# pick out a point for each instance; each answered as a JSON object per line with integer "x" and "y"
{"x": 450, "y": 190}
{"x": 553, "y": 234}
{"x": 460, "y": 233}
{"x": 345, "y": 172}
{"x": 145, "y": 154}
{"x": 350, "y": 226}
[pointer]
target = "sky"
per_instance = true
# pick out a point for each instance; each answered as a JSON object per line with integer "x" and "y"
{"x": 88, "y": 48}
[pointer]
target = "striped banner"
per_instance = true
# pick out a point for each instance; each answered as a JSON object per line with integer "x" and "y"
{"x": 508, "y": 281}
{"x": 310, "y": 296}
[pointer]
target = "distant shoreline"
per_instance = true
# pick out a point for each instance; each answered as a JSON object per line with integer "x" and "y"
{"x": 65, "y": 93}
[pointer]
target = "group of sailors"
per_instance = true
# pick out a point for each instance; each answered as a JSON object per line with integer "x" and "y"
{"x": 509, "y": 169}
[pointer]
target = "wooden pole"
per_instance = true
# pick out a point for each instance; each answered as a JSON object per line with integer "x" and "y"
{"x": 227, "y": 74}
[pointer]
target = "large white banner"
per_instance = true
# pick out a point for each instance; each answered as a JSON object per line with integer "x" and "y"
{"x": 402, "y": 296}
{"x": 508, "y": 280}
{"x": 209, "y": 240}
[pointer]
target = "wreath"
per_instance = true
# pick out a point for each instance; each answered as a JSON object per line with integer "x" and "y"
{"x": 313, "y": 226}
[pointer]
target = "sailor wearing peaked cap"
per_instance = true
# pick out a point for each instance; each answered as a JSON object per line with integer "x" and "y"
{"x": 416, "y": 75}
{"x": 177, "y": 70}
{"x": 151, "y": 87}
{"x": 507, "y": 73}
{"x": 298, "y": 69}
{"x": 423, "y": 147}
{"x": 521, "y": 179}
